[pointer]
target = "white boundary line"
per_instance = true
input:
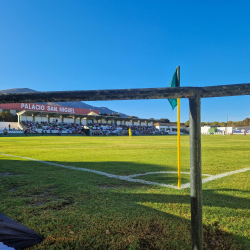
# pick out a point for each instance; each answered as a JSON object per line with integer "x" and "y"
{"x": 130, "y": 177}
{"x": 218, "y": 176}
{"x": 119, "y": 177}
{"x": 162, "y": 172}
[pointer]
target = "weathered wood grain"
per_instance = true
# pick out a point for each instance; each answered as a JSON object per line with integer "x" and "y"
{"x": 127, "y": 94}
{"x": 99, "y": 95}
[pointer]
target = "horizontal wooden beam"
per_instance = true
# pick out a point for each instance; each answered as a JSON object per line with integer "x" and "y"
{"x": 99, "y": 95}
{"x": 127, "y": 94}
{"x": 226, "y": 90}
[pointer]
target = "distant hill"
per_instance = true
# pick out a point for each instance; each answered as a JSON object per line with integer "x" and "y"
{"x": 22, "y": 90}
{"x": 81, "y": 105}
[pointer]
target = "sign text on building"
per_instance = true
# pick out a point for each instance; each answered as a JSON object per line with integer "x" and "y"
{"x": 49, "y": 108}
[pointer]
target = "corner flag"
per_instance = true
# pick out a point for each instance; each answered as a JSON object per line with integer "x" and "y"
{"x": 129, "y": 132}
{"x": 174, "y": 83}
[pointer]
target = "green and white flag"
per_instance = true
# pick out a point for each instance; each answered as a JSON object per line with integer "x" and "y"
{"x": 174, "y": 83}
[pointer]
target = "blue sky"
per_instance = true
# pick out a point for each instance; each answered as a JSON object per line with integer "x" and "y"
{"x": 76, "y": 45}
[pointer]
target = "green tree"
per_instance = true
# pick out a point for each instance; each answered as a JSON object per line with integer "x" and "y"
{"x": 187, "y": 124}
{"x": 215, "y": 123}
{"x": 6, "y": 116}
{"x": 246, "y": 122}
{"x": 222, "y": 124}
{"x": 165, "y": 120}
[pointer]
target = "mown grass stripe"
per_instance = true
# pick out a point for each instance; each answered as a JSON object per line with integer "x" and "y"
{"x": 130, "y": 177}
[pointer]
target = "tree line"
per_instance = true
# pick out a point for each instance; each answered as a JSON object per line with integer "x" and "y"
{"x": 244, "y": 123}
{"x": 6, "y": 116}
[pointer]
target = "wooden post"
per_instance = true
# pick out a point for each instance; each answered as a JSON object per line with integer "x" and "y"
{"x": 195, "y": 173}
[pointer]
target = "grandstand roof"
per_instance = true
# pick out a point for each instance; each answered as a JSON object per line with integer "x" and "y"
{"x": 42, "y": 108}
{"x": 90, "y": 116}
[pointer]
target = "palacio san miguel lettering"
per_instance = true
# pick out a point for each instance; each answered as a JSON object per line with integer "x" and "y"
{"x": 48, "y": 108}
{"x": 36, "y": 107}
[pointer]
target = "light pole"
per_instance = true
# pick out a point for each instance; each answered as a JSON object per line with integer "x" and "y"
{"x": 227, "y": 124}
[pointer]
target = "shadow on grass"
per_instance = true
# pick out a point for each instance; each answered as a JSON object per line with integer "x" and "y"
{"x": 130, "y": 224}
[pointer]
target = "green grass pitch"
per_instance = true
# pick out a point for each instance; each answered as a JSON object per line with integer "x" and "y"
{"x": 76, "y": 209}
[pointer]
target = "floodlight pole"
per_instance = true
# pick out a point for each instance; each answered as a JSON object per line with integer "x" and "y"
{"x": 195, "y": 172}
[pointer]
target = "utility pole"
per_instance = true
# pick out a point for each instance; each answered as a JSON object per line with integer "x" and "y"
{"x": 227, "y": 124}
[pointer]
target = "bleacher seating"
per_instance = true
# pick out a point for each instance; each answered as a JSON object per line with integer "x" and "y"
{"x": 95, "y": 129}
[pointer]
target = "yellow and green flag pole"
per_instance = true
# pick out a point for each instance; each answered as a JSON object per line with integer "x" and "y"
{"x": 175, "y": 82}
{"x": 129, "y": 132}
{"x": 178, "y": 131}
{"x": 178, "y": 143}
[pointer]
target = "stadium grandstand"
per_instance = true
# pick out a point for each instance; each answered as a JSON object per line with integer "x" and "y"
{"x": 36, "y": 118}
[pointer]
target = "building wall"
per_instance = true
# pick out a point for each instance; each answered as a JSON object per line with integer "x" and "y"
{"x": 228, "y": 130}
{"x": 78, "y": 121}
{"x": 164, "y": 128}
{"x": 84, "y": 121}
{"x": 167, "y": 128}
{"x": 41, "y": 119}
{"x": 204, "y": 130}
{"x": 58, "y": 119}
{"x": 69, "y": 120}
{"x": 128, "y": 123}
{"x": 26, "y": 118}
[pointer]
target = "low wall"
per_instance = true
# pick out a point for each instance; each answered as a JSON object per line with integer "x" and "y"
{"x": 228, "y": 130}
{"x": 4, "y": 125}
